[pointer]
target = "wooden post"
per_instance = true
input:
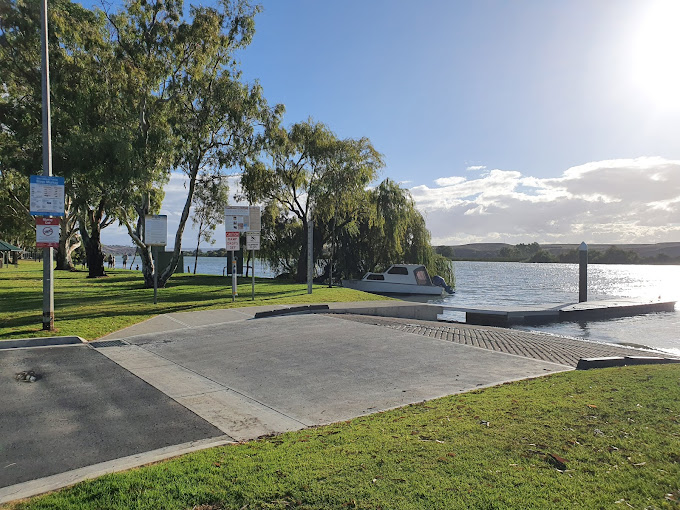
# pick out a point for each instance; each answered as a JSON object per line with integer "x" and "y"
{"x": 583, "y": 273}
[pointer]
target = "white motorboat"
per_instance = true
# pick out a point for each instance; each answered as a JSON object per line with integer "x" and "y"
{"x": 401, "y": 279}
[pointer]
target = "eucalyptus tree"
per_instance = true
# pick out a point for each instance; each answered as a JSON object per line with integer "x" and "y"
{"x": 187, "y": 87}
{"x": 311, "y": 175}
{"x": 210, "y": 198}
{"x": 16, "y": 223}
{"x": 71, "y": 32}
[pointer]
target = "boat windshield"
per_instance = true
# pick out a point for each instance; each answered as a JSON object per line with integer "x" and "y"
{"x": 422, "y": 277}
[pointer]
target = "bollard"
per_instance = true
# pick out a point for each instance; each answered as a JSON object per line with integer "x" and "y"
{"x": 583, "y": 273}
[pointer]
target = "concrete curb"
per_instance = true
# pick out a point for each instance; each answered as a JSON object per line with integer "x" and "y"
{"x": 292, "y": 309}
{"x": 622, "y": 361}
{"x": 41, "y": 342}
{"x": 404, "y": 310}
{"x": 61, "y": 480}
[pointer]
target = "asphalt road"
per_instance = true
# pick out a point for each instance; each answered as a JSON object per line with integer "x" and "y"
{"x": 82, "y": 410}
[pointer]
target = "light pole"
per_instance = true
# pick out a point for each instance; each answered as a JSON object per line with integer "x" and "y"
{"x": 48, "y": 254}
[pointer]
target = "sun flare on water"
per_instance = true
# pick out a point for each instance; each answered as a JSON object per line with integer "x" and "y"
{"x": 656, "y": 54}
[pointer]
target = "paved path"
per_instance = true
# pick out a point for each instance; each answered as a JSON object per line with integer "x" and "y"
{"x": 540, "y": 346}
{"x": 183, "y": 381}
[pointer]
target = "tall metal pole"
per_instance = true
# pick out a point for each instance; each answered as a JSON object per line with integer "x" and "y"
{"x": 48, "y": 254}
{"x": 310, "y": 255}
{"x": 154, "y": 258}
{"x": 234, "y": 278}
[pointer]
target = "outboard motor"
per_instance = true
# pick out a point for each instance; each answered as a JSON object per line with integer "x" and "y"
{"x": 440, "y": 282}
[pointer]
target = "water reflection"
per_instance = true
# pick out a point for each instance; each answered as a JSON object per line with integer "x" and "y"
{"x": 494, "y": 284}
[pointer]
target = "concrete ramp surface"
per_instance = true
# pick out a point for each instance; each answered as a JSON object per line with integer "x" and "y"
{"x": 294, "y": 371}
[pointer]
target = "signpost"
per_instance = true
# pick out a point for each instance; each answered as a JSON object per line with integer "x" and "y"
{"x": 47, "y": 196}
{"x": 239, "y": 219}
{"x": 233, "y": 245}
{"x": 253, "y": 243}
{"x": 47, "y": 233}
{"x": 155, "y": 235}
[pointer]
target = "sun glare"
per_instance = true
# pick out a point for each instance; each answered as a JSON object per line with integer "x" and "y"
{"x": 656, "y": 54}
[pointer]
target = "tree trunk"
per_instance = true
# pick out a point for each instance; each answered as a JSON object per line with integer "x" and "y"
{"x": 62, "y": 257}
{"x": 198, "y": 243}
{"x": 92, "y": 239}
{"x": 95, "y": 256}
{"x": 301, "y": 276}
{"x": 148, "y": 265}
{"x": 165, "y": 274}
{"x": 67, "y": 232}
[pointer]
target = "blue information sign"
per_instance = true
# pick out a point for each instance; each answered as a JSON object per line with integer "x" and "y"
{"x": 47, "y": 195}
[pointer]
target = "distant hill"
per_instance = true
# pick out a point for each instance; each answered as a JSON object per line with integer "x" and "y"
{"x": 491, "y": 251}
{"x": 117, "y": 249}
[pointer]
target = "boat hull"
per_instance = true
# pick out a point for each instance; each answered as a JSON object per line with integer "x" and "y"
{"x": 390, "y": 288}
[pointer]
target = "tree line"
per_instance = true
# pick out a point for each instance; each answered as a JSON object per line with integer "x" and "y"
{"x": 145, "y": 91}
{"x": 534, "y": 253}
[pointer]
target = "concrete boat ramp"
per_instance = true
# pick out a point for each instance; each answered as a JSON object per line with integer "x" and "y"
{"x": 587, "y": 310}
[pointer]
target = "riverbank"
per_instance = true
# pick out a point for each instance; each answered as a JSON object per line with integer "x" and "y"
{"x": 92, "y": 308}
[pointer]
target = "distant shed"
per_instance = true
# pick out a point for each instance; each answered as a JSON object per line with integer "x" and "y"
{"x": 9, "y": 253}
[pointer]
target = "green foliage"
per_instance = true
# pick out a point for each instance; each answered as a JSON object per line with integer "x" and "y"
{"x": 542, "y": 256}
{"x": 582, "y": 439}
{"x": 76, "y": 48}
{"x": 310, "y": 175}
{"x": 445, "y": 251}
{"x": 16, "y": 224}
{"x": 210, "y": 198}
{"x": 614, "y": 255}
{"x": 190, "y": 108}
{"x": 519, "y": 252}
{"x": 390, "y": 230}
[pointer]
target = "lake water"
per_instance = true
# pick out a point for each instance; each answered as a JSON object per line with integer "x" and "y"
{"x": 207, "y": 265}
{"x": 489, "y": 284}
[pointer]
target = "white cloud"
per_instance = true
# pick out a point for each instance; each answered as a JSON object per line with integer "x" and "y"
{"x": 624, "y": 200}
{"x": 475, "y": 168}
{"x": 449, "y": 181}
{"x": 612, "y": 201}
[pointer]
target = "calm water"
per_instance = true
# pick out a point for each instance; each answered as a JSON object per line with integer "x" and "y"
{"x": 481, "y": 284}
{"x": 206, "y": 265}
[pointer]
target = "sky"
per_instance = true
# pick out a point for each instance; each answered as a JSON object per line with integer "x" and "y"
{"x": 532, "y": 120}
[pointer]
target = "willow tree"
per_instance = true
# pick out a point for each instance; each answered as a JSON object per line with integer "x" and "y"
{"x": 310, "y": 174}
{"x": 389, "y": 230}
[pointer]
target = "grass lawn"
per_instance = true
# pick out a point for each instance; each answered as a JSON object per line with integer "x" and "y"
{"x": 93, "y": 307}
{"x": 596, "y": 439}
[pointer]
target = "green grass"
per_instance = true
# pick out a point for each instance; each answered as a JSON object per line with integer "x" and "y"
{"x": 93, "y": 307}
{"x": 615, "y": 433}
